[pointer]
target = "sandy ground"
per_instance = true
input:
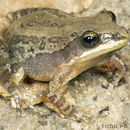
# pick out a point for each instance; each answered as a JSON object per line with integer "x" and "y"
{"x": 105, "y": 101}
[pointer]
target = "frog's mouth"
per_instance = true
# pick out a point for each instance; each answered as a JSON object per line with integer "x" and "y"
{"x": 98, "y": 55}
{"x": 107, "y": 47}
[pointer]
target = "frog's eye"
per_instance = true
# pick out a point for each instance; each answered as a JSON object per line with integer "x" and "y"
{"x": 89, "y": 39}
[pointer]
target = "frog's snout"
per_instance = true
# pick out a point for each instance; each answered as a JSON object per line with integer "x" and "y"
{"x": 124, "y": 32}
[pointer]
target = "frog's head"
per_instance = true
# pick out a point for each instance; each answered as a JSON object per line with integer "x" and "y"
{"x": 101, "y": 35}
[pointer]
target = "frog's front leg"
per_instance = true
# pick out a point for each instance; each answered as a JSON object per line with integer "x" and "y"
{"x": 112, "y": 64}
{"x": 56, "y": 97}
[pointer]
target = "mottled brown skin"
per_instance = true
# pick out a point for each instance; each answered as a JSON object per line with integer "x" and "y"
{"x": 45, "y": 45}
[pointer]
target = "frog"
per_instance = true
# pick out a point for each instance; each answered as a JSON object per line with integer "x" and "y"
{"x": 43, "y": 49}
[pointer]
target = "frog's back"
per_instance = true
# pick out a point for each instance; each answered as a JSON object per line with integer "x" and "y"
{"x": 34, "y": 37}
{"x": 42, "y": 29}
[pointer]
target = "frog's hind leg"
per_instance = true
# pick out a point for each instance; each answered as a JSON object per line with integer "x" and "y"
{"x": 10, "y": 72}
{"x": 56, "y": 97}
{"x": 4, "y": 71}
{"x": 13, "y": 84}
{"x": 28, "y": 94}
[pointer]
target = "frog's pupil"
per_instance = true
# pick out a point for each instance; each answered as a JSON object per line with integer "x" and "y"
{"x": 89, "y": 39}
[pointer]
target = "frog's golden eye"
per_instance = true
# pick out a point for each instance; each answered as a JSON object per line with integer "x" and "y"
{"x": 89, "y": 39}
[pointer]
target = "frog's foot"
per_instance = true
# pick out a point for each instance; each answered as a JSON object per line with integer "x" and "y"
{"x": 112, "y": 64}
